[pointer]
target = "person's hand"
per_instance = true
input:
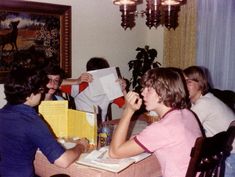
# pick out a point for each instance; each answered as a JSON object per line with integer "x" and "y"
{"x": 133, "y": 100}
{"x": 85, "y": 77}
{"x": 84, "y": 142}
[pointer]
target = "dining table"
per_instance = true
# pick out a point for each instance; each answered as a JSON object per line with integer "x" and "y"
{"x": 148, "y": 167}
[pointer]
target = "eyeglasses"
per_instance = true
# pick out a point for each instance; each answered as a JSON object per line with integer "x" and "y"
{"x": 54, "y": 81}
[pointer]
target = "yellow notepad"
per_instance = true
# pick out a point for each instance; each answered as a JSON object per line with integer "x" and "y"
{"x": 68, "y": 123}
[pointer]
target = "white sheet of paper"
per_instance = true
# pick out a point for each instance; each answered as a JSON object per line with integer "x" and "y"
{"x": 95, "y": 85}
{"x": 111, "y": 90}
{"x": 105, "y": 82}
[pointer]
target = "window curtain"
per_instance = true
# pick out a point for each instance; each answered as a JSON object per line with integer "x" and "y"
{"x": 180, "y": 44}
{"x": 216, "y": 41}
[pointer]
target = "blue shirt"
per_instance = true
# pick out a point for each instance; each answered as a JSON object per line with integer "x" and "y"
{"x": 22, "y": 132}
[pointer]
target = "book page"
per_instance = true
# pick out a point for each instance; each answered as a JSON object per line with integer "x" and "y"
{"x": 100, "y": 159}
{"x": 141, "y": 156}
{"x": 105, "y": 82}
{"x": 55, "y": 114}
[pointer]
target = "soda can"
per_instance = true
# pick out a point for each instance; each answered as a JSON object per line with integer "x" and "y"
{"x": 105, "y": 135}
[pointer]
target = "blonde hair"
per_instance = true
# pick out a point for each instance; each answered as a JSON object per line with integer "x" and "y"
{"x": 197, "y": 74}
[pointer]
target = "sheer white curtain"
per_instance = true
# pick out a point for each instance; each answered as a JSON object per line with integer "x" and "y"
{"x": 216, "y": 41}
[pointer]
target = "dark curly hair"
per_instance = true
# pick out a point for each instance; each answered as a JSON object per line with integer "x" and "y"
{"x": 169, "y": 85}
{"x": 22, "y": 82}
{"x": 54, "y": 69}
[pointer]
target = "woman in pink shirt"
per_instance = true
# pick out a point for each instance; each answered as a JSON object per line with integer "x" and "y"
{"x": 173, "y": 136}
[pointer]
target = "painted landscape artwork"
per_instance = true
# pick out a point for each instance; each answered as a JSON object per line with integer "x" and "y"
{"x": 26, "y": 32}
{"x": 34, "y": 33}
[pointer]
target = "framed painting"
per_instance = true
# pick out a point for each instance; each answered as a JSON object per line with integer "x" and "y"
{"x": 34, "y": 28}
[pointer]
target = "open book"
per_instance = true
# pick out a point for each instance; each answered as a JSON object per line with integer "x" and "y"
{"x": 99, "y": 159}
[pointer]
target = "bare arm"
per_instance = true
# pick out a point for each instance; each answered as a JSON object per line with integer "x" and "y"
{"x": 71, "y": 155}
{"x": 120, "y": 147}
{"x": 85, "y": 77}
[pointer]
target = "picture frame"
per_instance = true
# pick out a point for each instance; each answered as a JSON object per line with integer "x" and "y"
{"x": 34, "y": 28}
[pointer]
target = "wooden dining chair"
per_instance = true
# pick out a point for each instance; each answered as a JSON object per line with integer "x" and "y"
{"x": 209, "y": 153}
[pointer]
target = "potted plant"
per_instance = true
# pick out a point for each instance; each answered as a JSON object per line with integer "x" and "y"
{"x": 144, "y": 60}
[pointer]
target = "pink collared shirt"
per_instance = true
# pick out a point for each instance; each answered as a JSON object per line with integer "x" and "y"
{"x": 171, "y": 140}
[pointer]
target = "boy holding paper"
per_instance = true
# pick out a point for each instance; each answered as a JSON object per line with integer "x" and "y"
{"x": 83, "y": 94}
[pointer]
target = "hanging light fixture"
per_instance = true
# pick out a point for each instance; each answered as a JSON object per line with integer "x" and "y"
{"x": 157, "y": 12}
{"x": 153, "y": 15}
{"x": 128, "y": 9}
{"x": 170, "y": 11}
{"x": 170, "y": 2}
{"x": 123, "y": 2}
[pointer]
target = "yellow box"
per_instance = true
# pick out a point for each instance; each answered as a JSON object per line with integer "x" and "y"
{"x": 68, "y": 123}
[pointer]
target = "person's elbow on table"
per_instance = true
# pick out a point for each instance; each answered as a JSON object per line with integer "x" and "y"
{"x": 112, "y": 154}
